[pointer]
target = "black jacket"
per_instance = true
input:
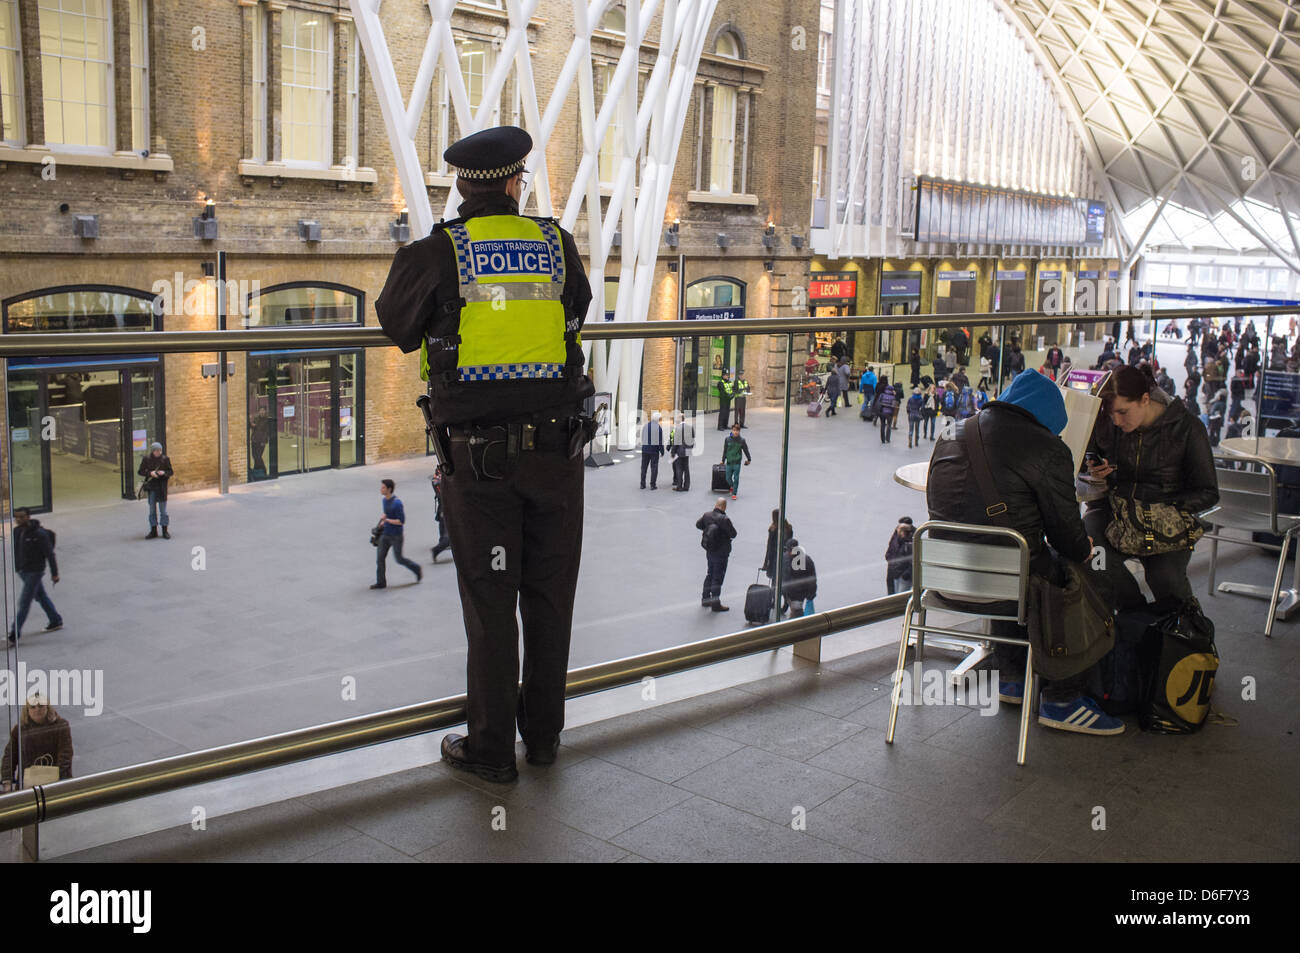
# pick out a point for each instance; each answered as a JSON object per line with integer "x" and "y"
{"x": 1032, "y": 469}
{"x": 769, "y": 558}
{"x": 727, "y": 534}
{"x": 798, "y": 582}
{"x": 423, "y": 278}
{"x": 1168, "y": 462}
{"x": 151, "y": 463}
{"x": 32, "y": 548}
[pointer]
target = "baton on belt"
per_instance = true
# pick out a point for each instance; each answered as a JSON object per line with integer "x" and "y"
{"x": 441, "y": 442}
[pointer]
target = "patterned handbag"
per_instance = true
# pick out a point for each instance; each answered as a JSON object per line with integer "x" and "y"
{"x": 1148, "y": 529}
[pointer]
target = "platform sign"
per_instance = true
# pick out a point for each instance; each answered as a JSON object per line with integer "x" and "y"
{"x": 1281, "y": 397}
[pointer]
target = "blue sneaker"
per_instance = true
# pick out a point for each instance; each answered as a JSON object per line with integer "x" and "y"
{"x": 1011, "y": 693}
{"x": 1082, "y": 715}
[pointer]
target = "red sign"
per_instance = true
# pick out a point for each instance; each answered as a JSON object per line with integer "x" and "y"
{"x": 839, "y": 288}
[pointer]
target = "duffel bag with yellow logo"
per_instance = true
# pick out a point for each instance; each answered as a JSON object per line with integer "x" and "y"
{"x": 1181, "y": 668}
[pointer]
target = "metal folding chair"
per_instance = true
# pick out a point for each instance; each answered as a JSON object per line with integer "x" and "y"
{"x": 976, "y": 576}
{"x": 1248, "y": 503}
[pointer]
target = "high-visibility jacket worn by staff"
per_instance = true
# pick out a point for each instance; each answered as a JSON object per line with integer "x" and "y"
{"x": 428, "y": 305}
{"x": 510, "y": 273}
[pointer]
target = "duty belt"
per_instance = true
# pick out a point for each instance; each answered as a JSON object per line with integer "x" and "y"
{"x": 547, "y": 434}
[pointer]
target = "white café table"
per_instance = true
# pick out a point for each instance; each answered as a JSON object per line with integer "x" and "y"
{"x": 1281, "y": 452}
{"x": 913, "y": 476}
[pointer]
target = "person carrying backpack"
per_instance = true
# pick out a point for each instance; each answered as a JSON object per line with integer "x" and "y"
{"x": 898, "y": 557}
{"x": 886, "y": 404}
{"x": 33, "y": 548}
{"x": 798, "y": 579}
{"x": 914, "y": 410}
{"x": 950, "y": 395}
{"x": 716, "y": 536}
{"x": 966, "y": 404}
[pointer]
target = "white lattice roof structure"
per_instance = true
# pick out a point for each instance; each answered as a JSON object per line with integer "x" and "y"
{"x": 1184, "y": 103}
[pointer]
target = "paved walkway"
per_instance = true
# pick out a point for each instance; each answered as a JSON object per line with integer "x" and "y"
{"x": 260, "y": 638}
{"x": 730, "y": 775}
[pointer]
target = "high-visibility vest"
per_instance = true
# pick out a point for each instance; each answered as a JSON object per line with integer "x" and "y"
{"x": 510, "y": 272}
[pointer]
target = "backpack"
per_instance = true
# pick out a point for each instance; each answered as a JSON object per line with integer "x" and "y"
{"x": 949, "y": 401}
{"x": 712, "y": 536}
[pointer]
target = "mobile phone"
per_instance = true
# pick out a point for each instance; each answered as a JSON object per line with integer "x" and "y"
{"x": 1092, "y": 459}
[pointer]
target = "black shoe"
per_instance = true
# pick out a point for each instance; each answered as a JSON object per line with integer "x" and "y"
{"x": 54, "y": 627}
{"x": 153, "y": 533}
{"x": 542, "y": 754}
{"x": 12, "y": 637}
{"x": 719, "y": 607}
{"x": 419, "y": 574}
{"x": 455, "y": 755}
{"x": 705, "y": 602}
{"x": 380, "y": 585}
{"x": 166, "y": 535}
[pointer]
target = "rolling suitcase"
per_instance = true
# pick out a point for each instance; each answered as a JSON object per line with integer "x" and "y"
{"x": 758, "y": 602}
{"x": 720, "y": 484}
{"x": 815, "y": 408}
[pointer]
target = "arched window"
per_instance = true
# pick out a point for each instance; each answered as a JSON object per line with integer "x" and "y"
{"x": 728, "y": 45}
{"x": 84, "y": 308}
{"x": 304, "y": 302}
{"x": 615, "y": 20}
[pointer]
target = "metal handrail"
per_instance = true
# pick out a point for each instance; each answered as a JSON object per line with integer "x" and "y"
{"x": 45, "y": 802}
{"x": 256, "y": 339}
{"x": 62, "y": 798}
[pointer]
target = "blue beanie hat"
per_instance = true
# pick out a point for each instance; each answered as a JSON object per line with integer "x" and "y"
{"x": 1035, "y": 393}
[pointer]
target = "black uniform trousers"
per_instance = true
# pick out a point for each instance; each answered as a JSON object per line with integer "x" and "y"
{"x": 516, "y": 540}
{"x": 724, "y": 414}
{"x": 740, "y": 410}
{"x": 682, "y": 471}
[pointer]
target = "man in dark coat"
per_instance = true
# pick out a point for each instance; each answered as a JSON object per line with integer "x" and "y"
{"x": 717, "y": 534}
{"x": 156, "y": 468}
{"x": 1033, "y": 473}
{"x": 33, "y": 548}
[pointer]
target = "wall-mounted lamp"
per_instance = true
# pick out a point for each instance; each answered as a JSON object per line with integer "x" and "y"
{"x": 86, "y": 226}
{"x": 205, "y": 225}
{"x": 672, "y": 266}
{"x": 796, "y": 241}
{"x": 400, "y": 230}
{"x": 769, "y": 266}
{"x": 769, "y": 236}
{"x": 209, "y": 269}
{"x": 308, "y": 231}
{"x": 723, "y": 241}
{"x": 213, "y": 369}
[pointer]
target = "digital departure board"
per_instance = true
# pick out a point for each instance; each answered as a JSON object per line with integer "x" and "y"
{"x": 984, "y": 215}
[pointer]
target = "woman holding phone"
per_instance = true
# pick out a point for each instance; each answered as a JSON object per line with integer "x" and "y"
{"x": 1156, "y": 462}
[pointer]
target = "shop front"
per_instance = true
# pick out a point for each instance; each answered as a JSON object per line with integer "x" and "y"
{"x": 305, "y": 407}
{"x": 831, "y": 294}
{"x": 79, "y": 425}
{"x": 716, "y": 298}
{"x": 900, "y": 296}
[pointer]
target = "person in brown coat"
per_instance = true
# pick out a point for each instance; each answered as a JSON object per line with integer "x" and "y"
{"x": 44, "y": 733}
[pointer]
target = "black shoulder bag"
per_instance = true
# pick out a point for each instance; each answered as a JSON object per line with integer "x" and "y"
{"x": 1071, "y": 627}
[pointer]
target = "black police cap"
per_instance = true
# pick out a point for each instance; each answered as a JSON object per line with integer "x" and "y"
{"x": 490, "y": 154}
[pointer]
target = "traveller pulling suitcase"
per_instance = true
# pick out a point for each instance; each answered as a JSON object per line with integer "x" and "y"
{"x": 720, "y": 484}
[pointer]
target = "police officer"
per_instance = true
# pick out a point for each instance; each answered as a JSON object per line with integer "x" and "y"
{"x": 495, "y": 301}
{"x": 741, "y": 393}
{"x": 725, "y": 391}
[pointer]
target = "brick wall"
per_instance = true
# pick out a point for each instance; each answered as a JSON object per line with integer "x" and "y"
{"x": 201, "y": 114}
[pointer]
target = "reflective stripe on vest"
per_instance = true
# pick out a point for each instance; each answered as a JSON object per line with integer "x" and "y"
{"x": 510, "y": 272}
